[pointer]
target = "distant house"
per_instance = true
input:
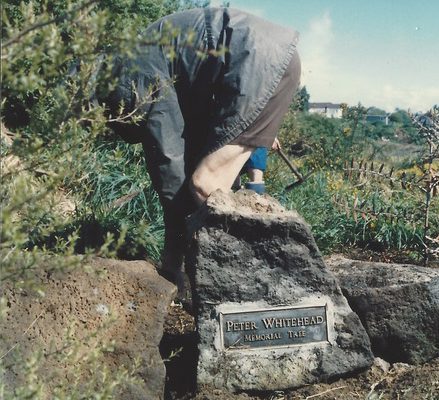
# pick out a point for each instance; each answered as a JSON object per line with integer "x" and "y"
{"x": 327, "y": 109}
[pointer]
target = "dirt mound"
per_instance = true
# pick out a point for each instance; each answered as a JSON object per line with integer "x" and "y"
{"x": 89, "y": 332}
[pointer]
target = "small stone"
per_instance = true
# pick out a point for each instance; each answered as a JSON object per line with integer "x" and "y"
{"x": 381, "y": 364}
{"x": 102, "y": 309}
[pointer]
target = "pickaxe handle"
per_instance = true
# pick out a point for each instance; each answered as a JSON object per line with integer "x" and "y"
{"x": 292, "y": 167}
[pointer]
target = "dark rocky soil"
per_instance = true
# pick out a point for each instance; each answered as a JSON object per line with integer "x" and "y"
{"x": 383, "y": 381}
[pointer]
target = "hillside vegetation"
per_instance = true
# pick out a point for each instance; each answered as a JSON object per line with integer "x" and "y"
{"x": 374, "y": 186}
{"x": 69, "y": 186}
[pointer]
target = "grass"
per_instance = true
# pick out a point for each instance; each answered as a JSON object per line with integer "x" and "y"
{"x": 365, "y": 213}
{"x": 120, "y": 196}
{"x": 343, "y": 215}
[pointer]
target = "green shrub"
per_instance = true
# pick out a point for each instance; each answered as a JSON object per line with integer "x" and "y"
{"x": 359, "y": 208}
{"x": 61, "y": 172}
{"x": 341, "y": 216}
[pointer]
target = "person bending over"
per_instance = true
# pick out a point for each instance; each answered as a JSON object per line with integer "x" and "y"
{"x": 222, "y": 94}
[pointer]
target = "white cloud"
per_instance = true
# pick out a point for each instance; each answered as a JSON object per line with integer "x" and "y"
{"x": 417, "y": 99}
{"x": 332, "y": 72}
{"x": 316, "y": 47}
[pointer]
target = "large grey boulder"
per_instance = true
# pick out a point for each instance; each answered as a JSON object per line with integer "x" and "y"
{"x": 253, "y": 261}
{"x": 398, "y": 305}
{"x": 94, "y": 322}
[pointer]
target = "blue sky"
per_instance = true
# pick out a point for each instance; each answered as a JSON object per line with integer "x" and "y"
{"x": 382, "y": 53}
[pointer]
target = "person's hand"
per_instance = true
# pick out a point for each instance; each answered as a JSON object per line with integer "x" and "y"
{"x": 276, "y": 145}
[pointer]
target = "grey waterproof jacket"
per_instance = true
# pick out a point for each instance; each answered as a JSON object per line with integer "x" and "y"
{"x": 213, "y": 71}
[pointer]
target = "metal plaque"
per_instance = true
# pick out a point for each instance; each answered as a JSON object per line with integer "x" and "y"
{"x": 277, "y": 327}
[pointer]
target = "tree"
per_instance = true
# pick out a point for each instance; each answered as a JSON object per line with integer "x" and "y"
{"x": 401, "y": 117}
{"x": 376, "y": 111}
{"x": 55, "y": 147}
{"x": 301, "y": 100}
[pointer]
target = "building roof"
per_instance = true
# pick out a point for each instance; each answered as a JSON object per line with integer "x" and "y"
{"x": 324, "y": 105}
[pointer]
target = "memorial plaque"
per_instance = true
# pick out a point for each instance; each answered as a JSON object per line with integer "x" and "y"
{"x": 277, "y": 327}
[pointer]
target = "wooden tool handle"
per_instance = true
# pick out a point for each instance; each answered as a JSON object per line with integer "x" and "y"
{"x": 293, "y": 169}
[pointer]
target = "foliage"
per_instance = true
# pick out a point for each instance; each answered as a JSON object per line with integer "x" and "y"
{"x": 404, "y": 128}
{"x": 56, "y": 133}
{"x": 58, "y": 185}
{"x": 331, "y": 205}
{"x": 358, "y": 208}
{"x": 69, "y": 186}
{"x": 301, "y": 100}
{"x": 122, "y": 196}
{"x": 401, "y": 117}
{"x": 375, "y": 111}
{"x": 332, "y": 140}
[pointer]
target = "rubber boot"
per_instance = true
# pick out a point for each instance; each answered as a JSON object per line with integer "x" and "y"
{"x": 258, "y": 187}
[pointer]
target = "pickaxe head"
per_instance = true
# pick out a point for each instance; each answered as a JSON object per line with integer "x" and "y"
{"x": 299, "y": 181}
{"x": 295, "y": 171}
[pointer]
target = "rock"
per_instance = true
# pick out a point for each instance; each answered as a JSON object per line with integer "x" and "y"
{"x": 251, "y": 254}
{"x": 121, "y": 301}
{"x": 382, "y": 365}
{"x": 398, "y": 305}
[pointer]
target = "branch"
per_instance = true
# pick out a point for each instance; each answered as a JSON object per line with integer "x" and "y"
{"x": 364, "y": 209}
{"x": 148, "y": 99}
{"x": 42, "y": 24}
{"x": 24, "y": 334}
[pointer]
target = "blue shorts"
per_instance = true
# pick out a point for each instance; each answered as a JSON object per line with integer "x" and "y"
{"x": 258, "y": 159}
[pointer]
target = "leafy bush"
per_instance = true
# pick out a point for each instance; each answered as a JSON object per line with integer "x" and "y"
{"x": 68, "y": 186}
{"x": 333, "y": 141}
{"x": 363, "y": 207}
{"x": 61, "y": 176}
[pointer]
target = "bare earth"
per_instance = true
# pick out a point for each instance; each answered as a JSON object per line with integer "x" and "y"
{"x": 382, "y": 381}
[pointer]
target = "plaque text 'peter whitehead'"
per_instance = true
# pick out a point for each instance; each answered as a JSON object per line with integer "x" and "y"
{"x": 274, "y": 327}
